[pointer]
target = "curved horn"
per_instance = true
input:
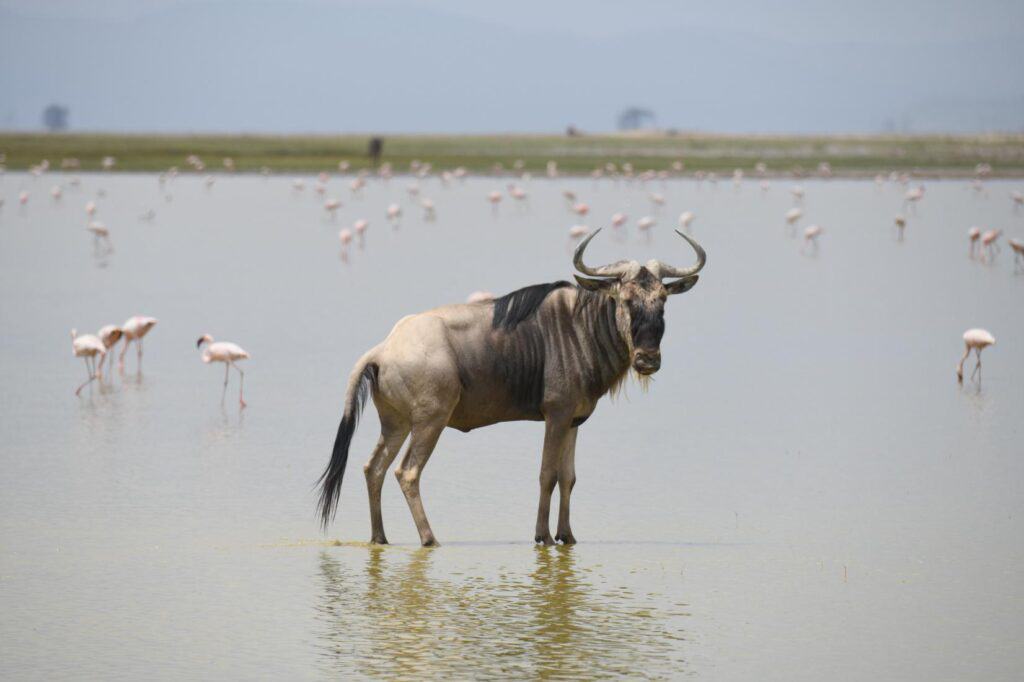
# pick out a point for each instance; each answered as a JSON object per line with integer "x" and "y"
{"x": 612, "y": 270}
{"x": 671, "y": 271}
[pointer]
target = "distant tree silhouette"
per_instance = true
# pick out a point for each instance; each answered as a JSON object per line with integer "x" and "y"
{"x": 634, "y": 118}
{"x": 55, "y": 117}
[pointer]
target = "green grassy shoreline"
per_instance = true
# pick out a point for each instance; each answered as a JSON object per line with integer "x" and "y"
{"x": 849, "y": 156}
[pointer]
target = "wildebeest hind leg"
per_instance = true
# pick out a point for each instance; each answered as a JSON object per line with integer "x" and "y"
{"x": 424, "y": 438}
{"x": 566, "y": 481}
{"x": 391, "y": 438}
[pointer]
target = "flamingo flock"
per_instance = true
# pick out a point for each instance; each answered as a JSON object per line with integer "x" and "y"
{"x": 984, "y": 243}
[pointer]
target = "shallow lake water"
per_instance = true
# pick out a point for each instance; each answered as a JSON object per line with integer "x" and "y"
{"x": 805, "y": 492}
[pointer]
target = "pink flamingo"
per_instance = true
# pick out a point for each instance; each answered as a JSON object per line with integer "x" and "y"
{"x": 989, "y": 244}
{"x": 394, "y": 214}
{"x": 811, "y": 235}
{"x": 495, "y": 199}
{"x": 645, "y": 224}
{"x": 109, "y": 335}
{"x": 86, "y": 346}
{"x": 360, "y": 227}
{"x": 913, "y": 195}
{"x": 429, "y": 211}
{"x": 577, "y": 232}
{"x": 332, "y": 206}
{"x": 228, "y": 353}
{"x": 345, "y": 237}
{"x": 901, "y": 223}
{"x": 581, "y": 209}
{"x": 134, "y": 330}
{"x": 685, "y": 218}
{"x": 100, "y": 236}
{"x": 480, "y": 297}
{"x": 1018, "y": 253}
{"x": 973, "y": 234}
{"x": 976, "y": 340}
{"x": 619, "y": 219}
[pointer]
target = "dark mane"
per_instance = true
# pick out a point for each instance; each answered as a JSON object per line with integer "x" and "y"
{"x": 513, "y": 308}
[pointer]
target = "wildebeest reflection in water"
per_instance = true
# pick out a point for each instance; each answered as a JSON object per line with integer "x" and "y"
{"x": 400, "y": 618}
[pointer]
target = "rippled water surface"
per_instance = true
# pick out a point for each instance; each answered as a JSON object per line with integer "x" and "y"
{"x": 804, "y": 492}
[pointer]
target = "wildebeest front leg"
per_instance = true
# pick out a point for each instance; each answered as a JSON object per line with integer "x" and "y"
{"x": 566, "y": 481}
{"x": 424, "y": 438}
{"x": 556, "y": 434}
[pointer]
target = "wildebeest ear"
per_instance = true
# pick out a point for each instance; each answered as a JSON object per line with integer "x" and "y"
{"x": 681, "y": 285}
{"x": 602, "y": 285}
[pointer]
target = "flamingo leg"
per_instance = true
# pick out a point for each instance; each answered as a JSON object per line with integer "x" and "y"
{"x": 241, "y": 384}
{"x": 120, "y": 358}
{"x": 224, "y": 392}
{"x": 977, "y": 367}
{"x": 138, "y": 355}
{"x": 99, "y": 371}
{"x": 89, "y": 374}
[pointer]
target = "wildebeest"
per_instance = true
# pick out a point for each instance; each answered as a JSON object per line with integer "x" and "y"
{"x": 374, "y": 149}
{"x": 546, "y": 352}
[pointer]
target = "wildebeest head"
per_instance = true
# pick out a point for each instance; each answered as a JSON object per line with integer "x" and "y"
{"x": 640, "y": 295}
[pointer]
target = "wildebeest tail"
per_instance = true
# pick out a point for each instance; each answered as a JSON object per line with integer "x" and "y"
{"x": 363, "y": 378}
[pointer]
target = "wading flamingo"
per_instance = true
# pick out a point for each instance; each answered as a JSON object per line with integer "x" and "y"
{"x": 134, "y": 329}
{"x": 577, "y": 232}
{"x": 901, "y": 223}
{"x": 394, "y": 213}
{"x": 479, "y": 297}
{"x": 495, "y": 199}
{"x": 345, "y": 237}
{"x": 87, "y": 347}
{"x": 792, "y": 216}
{"x": 913, "y": 195}
{"x": 360, "y": 227}
{"x": 811, "y": 235}
{"x": 619, "y": 219}
{"x": 1018, "y": 253}
{"x": 976, "y": 340}
{"x": 429, "y": 212}
{"x": 645, "y": 224}
{"x": 228, "y": 353}
{"x": 973, "y": 234}
{"x": 100, "y": 235}
{"x": 685, "y": 218}
{"x": 990, "y": 244}
{"x": 109, "y": 335}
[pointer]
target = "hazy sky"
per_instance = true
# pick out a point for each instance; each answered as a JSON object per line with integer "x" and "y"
{"x": 533, "y": 65}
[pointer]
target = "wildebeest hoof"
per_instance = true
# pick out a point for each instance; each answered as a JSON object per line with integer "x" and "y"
{"x": 378, "y": 540}
{"x": 431, "y": 542}
{"x": 544, "y": 539}
{"x": 566, "y": 538}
